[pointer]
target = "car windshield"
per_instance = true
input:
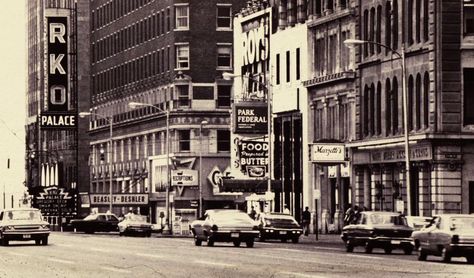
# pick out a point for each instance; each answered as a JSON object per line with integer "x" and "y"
{"x": 136, "y": 218}
{"x": 387, "y": 219}
{"x": 281, "y": 219}
{"x": 90, "y": 217}
{"x": 462, "y": 223}
{"x": 23, "y": 215}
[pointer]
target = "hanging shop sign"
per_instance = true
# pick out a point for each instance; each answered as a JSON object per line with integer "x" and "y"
{"x": 119, "y": 199}
{"x": 250, "y": 117}
{"x": 327, "y": 153}
{"x": 55, "y": 120}
{"x": 184, "y": 177}
{"x": 253, "y": 158}
{"x": 57, "y": 67}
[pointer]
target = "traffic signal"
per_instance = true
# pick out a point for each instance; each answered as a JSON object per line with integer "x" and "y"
{"x": 102, "y": 155}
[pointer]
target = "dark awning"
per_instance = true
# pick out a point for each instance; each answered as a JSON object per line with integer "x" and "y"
{"x": 249, "y": 185}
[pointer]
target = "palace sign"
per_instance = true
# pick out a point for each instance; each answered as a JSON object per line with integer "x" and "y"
{"x": 57, "y": 120}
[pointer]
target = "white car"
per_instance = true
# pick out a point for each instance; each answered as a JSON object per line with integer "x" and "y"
{"x": 23, "y": 224}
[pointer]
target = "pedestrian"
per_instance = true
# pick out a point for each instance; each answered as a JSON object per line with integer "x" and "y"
{"x": 349, "y": 215}
{"x": 252, "y": 213}
{"x": 356, "y": 217}
{"x": 305, "y": 220}
{"x": 286, "y": 210}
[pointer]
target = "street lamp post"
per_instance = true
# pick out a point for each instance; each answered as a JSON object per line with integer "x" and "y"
{"x": 200, "y": 166}
{"x": 267, "y": 87}
{"x": 401, "y": 56}
{"x": 168, "y": 174}
{"x": 110, "y": 121}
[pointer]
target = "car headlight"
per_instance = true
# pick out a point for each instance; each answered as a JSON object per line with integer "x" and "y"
{"x": 44, "y": 226}
{"x": 214, "y": 228}
{"x": 373, "y": 234}
{"x": 9, "y": 228}
{"x": 455, "y": 239}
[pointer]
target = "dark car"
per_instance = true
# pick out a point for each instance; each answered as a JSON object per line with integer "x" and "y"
{"x": 23, "y": 224}
{"x": 447, "y": 235}
{"x": 278, "y": 226}
{"x": 135, "y": 224}
{"x": 224, "y": 226}
{"x": 377, "y": 229}
{"x": 96, "y": 222}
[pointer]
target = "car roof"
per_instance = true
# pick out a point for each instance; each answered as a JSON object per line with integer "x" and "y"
{"x": 448, "y": 215}
{"x": 382, "y": 212}
{"x": 277, "y": 214}
{"x": 222, "y": 210}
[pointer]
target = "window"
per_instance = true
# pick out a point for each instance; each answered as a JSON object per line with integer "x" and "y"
{"x": 224, "y": 17}
{"x": 468, "y": 74}
{"x": 168, "y": 19}
{"x": 182, "y": 56}
{"x": 278, "y": 69}
{"x": 183, "y": 95}
{"x": 184, "y": 137}
{"x": 298, "y": 64}
{"x": 288, "y": 66}
{"x": 224, "y": 56}
{"x": 223, "y": 95}
{"x": 182, "y": 17}
{"x": 223, "y": 140}
{"x": 468, "y": 17}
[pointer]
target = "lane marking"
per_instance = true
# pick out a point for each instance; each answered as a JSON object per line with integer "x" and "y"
{"x": 60, "y": 261}
{"x": 214, "y": 263}
{"x": 114, "y": 269}
{"x": 149, "y": 255}
{"x": 18, "y": 254}
{"x": 63, "y": 245}
{"x": 327, "y": 248}
{"x": 365, "y": 257}
{"x": 100, "y": 250}
{"x": 292, "y": 274}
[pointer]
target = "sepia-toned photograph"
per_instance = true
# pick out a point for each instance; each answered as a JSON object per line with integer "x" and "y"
{"x": 236, "y": 138}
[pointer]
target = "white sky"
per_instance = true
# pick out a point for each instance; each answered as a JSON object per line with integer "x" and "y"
{"x": 12, "y": 101}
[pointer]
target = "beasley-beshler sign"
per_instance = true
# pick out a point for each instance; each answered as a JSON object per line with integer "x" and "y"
{"x": 327, "y": 152}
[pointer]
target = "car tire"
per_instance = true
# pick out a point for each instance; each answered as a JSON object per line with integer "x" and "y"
{"x": 295, "y": 240}
{"x": 236, "y": 243}
{"x": 349, "y": 247}
{"x": 38, "y": 241}
{"x": 249, "y": 243}
{"x": 470, "y": 259}
{"x": 197, "y": 241}
{"x": 210, "y": 242}
{"x": 445, "y": 256}
{"x": 422, "y": 254}
{"x": 368, "y": 248}
{"x": 261, "y": 238}
{"x": 408, "y": 250}
{"x": 148, "y": 234}
{"x": 5, "y": 242}
{"x": 44, "y": 241}
{"x": 388, "y": 250}
{"x": 283, "y": 240}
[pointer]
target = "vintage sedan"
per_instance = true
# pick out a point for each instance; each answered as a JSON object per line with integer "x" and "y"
{"x": 278, "y": 226}
{"x": 224, "y": 226}
{"x": 377, "y": 229}
{"x": 23, "y": 224}
{"x": 447, "y": 235}
{"x": 96, "y": 222}
{"x": 135, "y": 224}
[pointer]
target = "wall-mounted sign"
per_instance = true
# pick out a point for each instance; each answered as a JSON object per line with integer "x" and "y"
{"x": 327, "y": 153}
{"x": 253, "y": 158}
{"x": 119, "y": 199}
{"x": 57, "y": 120}
{"x": 184, "y": 177}
{"x": 250, "y": 117}
{"x": 398, "y": 154}
{"x": 55, "y": 201}
{"x": 57, "y": 63}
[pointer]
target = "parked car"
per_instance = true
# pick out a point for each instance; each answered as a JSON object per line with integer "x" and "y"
{"x": 278, "y": 226}
{"x": 224, "y": 226}
{"x": 135, "y": 224}
{"x": 447, "y": 235}
{"x": 418, "y": 222}
{"x": 23, "y": 224}
{"x": 96, "y": 222}
{"x": 377, "y": 229}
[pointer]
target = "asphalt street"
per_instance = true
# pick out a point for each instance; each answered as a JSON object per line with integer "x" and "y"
{"x": 108, "y": 255}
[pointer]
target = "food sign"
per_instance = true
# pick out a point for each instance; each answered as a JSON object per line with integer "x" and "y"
{"x": 253, "y": 158}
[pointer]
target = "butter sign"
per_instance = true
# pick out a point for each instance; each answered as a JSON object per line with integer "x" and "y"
{"x": 327, "y": 152}
{"x": 184, "y": 177}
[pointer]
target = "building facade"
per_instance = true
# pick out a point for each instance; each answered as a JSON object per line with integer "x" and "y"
{"x": 58, "y": 87}
{"x": 168, "y": 56}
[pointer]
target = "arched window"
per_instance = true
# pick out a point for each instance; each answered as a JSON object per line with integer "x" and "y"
{"x": 372, "y": 110}
{"x": 365, "y": 101}
{"x": 418, "y": 21}
{"x": 372, "y": 30}
{"x": 378, "y": 113}
{"x": 418, "y": 102}
{"x": 378, "y": 35}
{"x": 410, "y": 22}
{"x": 410, "y": 107}
{"x": 388, "y": 26}
{"x": 366, "y": 32}
{"x": 426, "y": 100}
{"x": 395, "y": 24}
{"x": 395, "y": 105}
{"x": 388, "y": 107}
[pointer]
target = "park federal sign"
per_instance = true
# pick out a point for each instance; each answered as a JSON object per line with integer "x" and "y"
{"x": 327, "y": 153}
{"x": 250, "y": 117}
{"x": 56, "y": 114}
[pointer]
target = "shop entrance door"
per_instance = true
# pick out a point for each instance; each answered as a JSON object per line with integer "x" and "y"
{"x": 471, "y": 197}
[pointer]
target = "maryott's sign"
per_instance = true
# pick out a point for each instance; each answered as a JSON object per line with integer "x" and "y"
{"x": 327, "y": 152}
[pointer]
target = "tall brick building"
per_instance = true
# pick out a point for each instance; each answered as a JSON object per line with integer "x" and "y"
{"x": 169, "y": 55}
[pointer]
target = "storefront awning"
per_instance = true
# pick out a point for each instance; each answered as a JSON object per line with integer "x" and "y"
{"x": 249, "y": 185}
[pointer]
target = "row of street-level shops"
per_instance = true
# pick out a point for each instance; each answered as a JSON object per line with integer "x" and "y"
{"x": 374, "y": 178}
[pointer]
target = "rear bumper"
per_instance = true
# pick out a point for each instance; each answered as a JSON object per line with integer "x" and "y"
{"x": 461, "y": 250}
{"x": 272, "y": 233}
{"x": 228, "y": 236}
{"x": 381, "y": 242}
{"x": 24, "y": 236}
